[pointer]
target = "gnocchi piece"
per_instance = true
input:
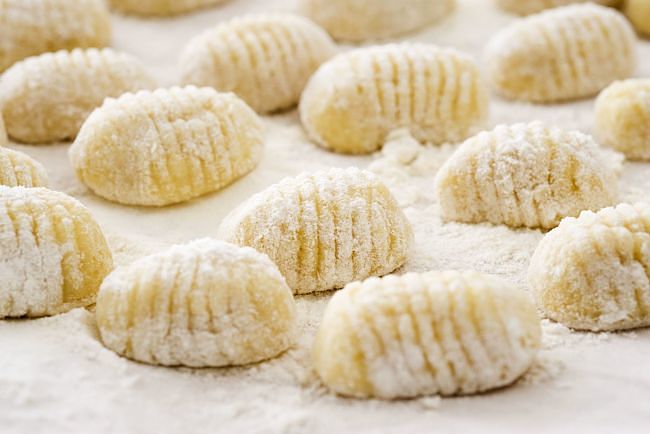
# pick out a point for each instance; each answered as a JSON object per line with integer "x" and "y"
{"x": 353, "y": 101}
{"x": 561, "y": 54}
{"x": 445, "y": 333}
{"x": 166, "y": 146}
{"x": 32, "y": 27}
{"x": 19, "y": 169}
{"x": 324, "y": 229}
{"x": 265, "y": 59}
{"x": 3, "y": 131}
{"x": 161, "y": 7}
{"x": 206, "y": 303}
{"x": 591, "y": 272}
{"x": 638, "y": 12}
{"x": 526, "y": 7}
{"x": 526, "y": 175}
{"x": 46, "y": 98}
{"x": 360, "y": 20}
{"x": 53, "y": 255}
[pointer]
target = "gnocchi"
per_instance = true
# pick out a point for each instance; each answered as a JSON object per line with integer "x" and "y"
{"x": 161, "y": 7}
{"x": 525, "y": 7}
{"x": 591, "y": 272}
{"x": 355, "y": 100}
{"x": 442, "y": 333}
{"x": 205, "y": 303}
{"x": 265, "y": 59}
{"x": 18, "y": 169}
{"x": 561, "y": 54}
{"x": 34, "y": 27}
{"x": 53, "y": 255}
{"x": 46, "y": 98}
{"x": 526, "y": 175}
{"x": 638, "y": 12}
{"x": 359, "y": 20}
{"x": 324, "y": 229}
{"x": 166, "y": 146}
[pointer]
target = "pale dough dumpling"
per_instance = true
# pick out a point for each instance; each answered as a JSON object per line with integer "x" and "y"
{"x": 31, "y": 27}
{"x": 324, "y": 229}
{"x": 638, "y": 12}
{"x": 623, "y": 118}
{"x": 167, "y": 146}
{"x": 19, "y": 169}
{"x": 46, "y": 98}
{"x": 206, "y": 303}
{"x": 354, "y": 100}
{"x": 525, "y": 7}
{"x": 591, "y": 273}
{"x": 265, "y": 59}
{"x": 526, "y": 175}
{"x": 359, "y": 20}
{"x": 53, "y": 255}
{"x": 561, "y": 54}
{"x": 444, "y": 333}
{"x": 161, "y": 7}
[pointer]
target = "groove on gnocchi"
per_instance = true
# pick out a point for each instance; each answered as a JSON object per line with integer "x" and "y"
{"x": 161, "y": 7}
{"x": 19, "y": 169}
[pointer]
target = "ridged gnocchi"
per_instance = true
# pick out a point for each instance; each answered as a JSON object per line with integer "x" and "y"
{"x": 360, "y": 20}
{"x": 265, "y": 59}
{"x": 623, "y": 118}
{"x": 561, "y": 54}
{"x": 354, "y": 100}
{"x": 53, "y": 255}
{"x": 46, "y": 98}
{"x": 442, "y": 333}
{"x": 525, "y": 7}
{"x": 31, "y": 27}
{"x": 638, "y": 12}
{"x": 205, "y": 303}
{"x": 526, "y": 175}
{"x": 19, "y": 169}
{"x": 161, "y": 7}
{"x": 591, "y": 272}
{"x": 166, "y": 146}
{"x": 324, "y": 229}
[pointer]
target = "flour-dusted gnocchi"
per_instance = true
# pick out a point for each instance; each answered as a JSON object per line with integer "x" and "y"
{"x": 526, "y": 175}
{"x": 265, "y": 59}
{"x": 561, "y": 54}
{"x": 353, "y": 101}
{"x": 161, "y": 7}
{"x": 591, "y": 272}
{"x": 525, "y": 7}
{"x": 324, "y": 229}
{"x": 53, "y": 255}
{"x": 205, "y": 303}
{"x": 638, "y": 12}
{"x": 358, "y": 20}
{"x": 46, "y": 98}
{"x": 623, "y": 118}
{"x": 19, "y": 169}
{"x": 442, "y": 333}
{"x": 31, "y": 27}
{"x": 167, "y": 146}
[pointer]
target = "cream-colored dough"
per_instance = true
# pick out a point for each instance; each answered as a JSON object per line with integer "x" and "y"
{"x": 19, "y": 169}
{"x": 161, "y": 7}
{"x": 525, "y": 7}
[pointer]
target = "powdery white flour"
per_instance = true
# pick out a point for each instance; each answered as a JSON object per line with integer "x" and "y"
{"x": 55, "y": 376}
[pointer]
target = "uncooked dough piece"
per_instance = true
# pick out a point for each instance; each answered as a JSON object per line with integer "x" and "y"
{"x": 265, "y": 59}
{"x": 359, "y": 20}
{"x": 354, "y": 100}
{"x": 526, "y": 175}
{"x": 623, "y": 118}
{"x": 525, "y": 7}
{"x": 561, "y": 54}
{"x": 53, "y": 255}
{"x": 3, "y": 132}
{"x": 19, "y": 169}
{"x": 161, "y": 7}
{"x": 324, "y": 229}
{"x": 206, "y": 303}
{"x": 31, "y": 27}
{"x": 638, "y": 12}
{"x": 592, "y": 273}
{"x": 46, "y": 98}
{"x": 167, "y": 146}
{"x": 445, "y": 333}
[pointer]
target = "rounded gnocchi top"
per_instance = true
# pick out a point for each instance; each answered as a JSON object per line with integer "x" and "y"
{"x": 38, "y": 26}
{"x": 561, "y": 54}
{"x": 46, "y": 98}
{"x": 354, "y": 100}
{"x": 166, "y": 146}
{"x": 358, "y": 20}
{"x": 161, "y": 7}
{"x": 18, "y": 169}
{"x": 265, "y": 59}
{"x": 525, "y": 7}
